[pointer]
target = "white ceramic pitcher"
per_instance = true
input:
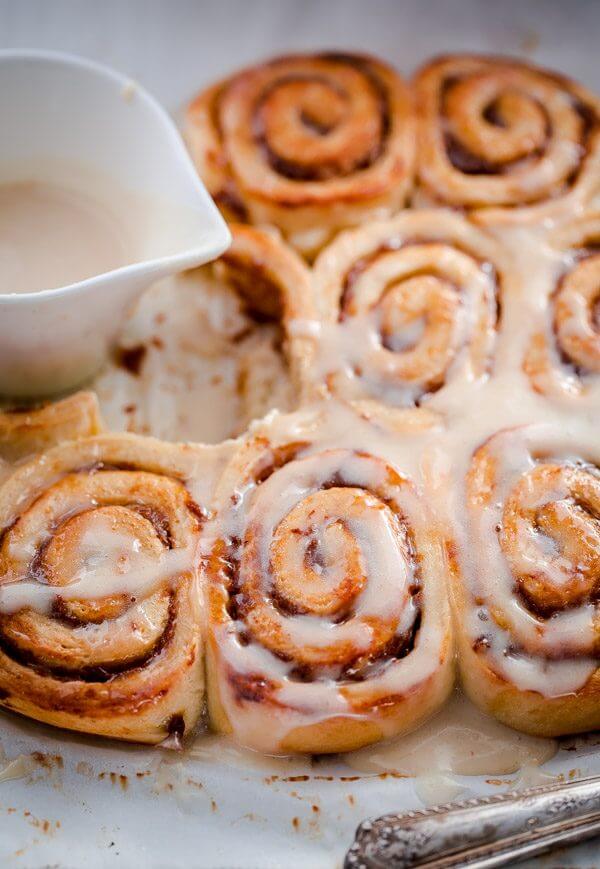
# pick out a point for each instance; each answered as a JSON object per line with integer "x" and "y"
{"x": 58, "y": 111}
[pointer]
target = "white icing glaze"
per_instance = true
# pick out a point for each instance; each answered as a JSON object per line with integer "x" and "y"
{"x": 21, "y": 766}
{"x": 52, "y": 236}
{"x": 212, "y": 748}
{"x": 437, "y": 788}
{"x": 459, "y": 740}
{"x": 116, "y": 569}
{"x": 408, "y": 306}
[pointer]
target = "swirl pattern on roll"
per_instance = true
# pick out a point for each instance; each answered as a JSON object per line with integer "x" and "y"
{"x": 410, "y": 306}
{"x": 100, "y": 624}
{"x": 532, "y": 569}
{"x": 501, "y": 136}
{"x": 328, "y": 619}
{"x": 309, "y": 143}
{"x": 564, "y": 359}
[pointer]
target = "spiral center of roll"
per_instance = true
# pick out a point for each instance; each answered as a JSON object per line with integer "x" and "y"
{"x": 319, "y": 126}
{"x": 551, "y": 535}
{"x": 317, "y": 562}
{"x": 104, "y": 541}
{"x": 417, "y": 320}
{"x": 576, "y": 315}
{"x": 101, "y": 557}
{"x": 327, "y": 567}
{"x": 494, "y": 120}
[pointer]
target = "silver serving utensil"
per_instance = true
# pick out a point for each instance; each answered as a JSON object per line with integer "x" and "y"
{"x": 481, "y": 833}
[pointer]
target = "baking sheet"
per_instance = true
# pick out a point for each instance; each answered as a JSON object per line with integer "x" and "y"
{"x": 71, "y": 801}
{"x": 82, "y": 802}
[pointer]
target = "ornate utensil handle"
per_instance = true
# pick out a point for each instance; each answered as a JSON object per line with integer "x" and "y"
{"x": 481, "y": 833}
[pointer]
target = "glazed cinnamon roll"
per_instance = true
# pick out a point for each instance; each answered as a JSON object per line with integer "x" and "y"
{"x": 505, "y": 138}
{"x": 309, "y": 143}
{"x": 563, "y": 359}
{"x": 528, "y": 611}
{"x": 328, "y": 616}
{"x": 409, "y": 307}
{"x": 99, "y": 598}
{"x": 28, "y": 430}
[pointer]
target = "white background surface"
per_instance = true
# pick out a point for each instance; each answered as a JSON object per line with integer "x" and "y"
{"x": 174, "y": 46}
{"x": 236, "y": 819}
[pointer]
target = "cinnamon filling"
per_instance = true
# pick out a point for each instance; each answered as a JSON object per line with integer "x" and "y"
{"x": 322, "y": 117}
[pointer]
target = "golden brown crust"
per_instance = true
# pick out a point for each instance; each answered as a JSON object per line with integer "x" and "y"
{"x": 30, "y": 430}
{"x": 269, "y": 277}
{"x": 205, "y": 140}
{"x": 528, "y": 711}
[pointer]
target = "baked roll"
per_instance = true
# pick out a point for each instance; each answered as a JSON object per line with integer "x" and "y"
{"x": 507, "y": 139}
{"x": 309, "y": 143}
{"x": 563, "y": 359}
{"x": 100, "y": 610}
{"x": 527, "y": 603}
{"x": 409, "y": 307}
{"x": 32, "y": 429}
{"x": 329, "y": 622}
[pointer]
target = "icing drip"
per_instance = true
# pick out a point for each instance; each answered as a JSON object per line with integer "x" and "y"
{"x": 459, "y": 740}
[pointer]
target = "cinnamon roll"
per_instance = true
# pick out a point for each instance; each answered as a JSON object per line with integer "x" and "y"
{"x": 99, "y": 598}
{"x": 505, "y": 138}
{"x": 28, "y": 430}
{"x": 328, "y": 616}
{"x": 563, "y": 359}
{"x": 408, "y": 306}
{"x": 528, "y": 602}
{"x": 309, "y": 143}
